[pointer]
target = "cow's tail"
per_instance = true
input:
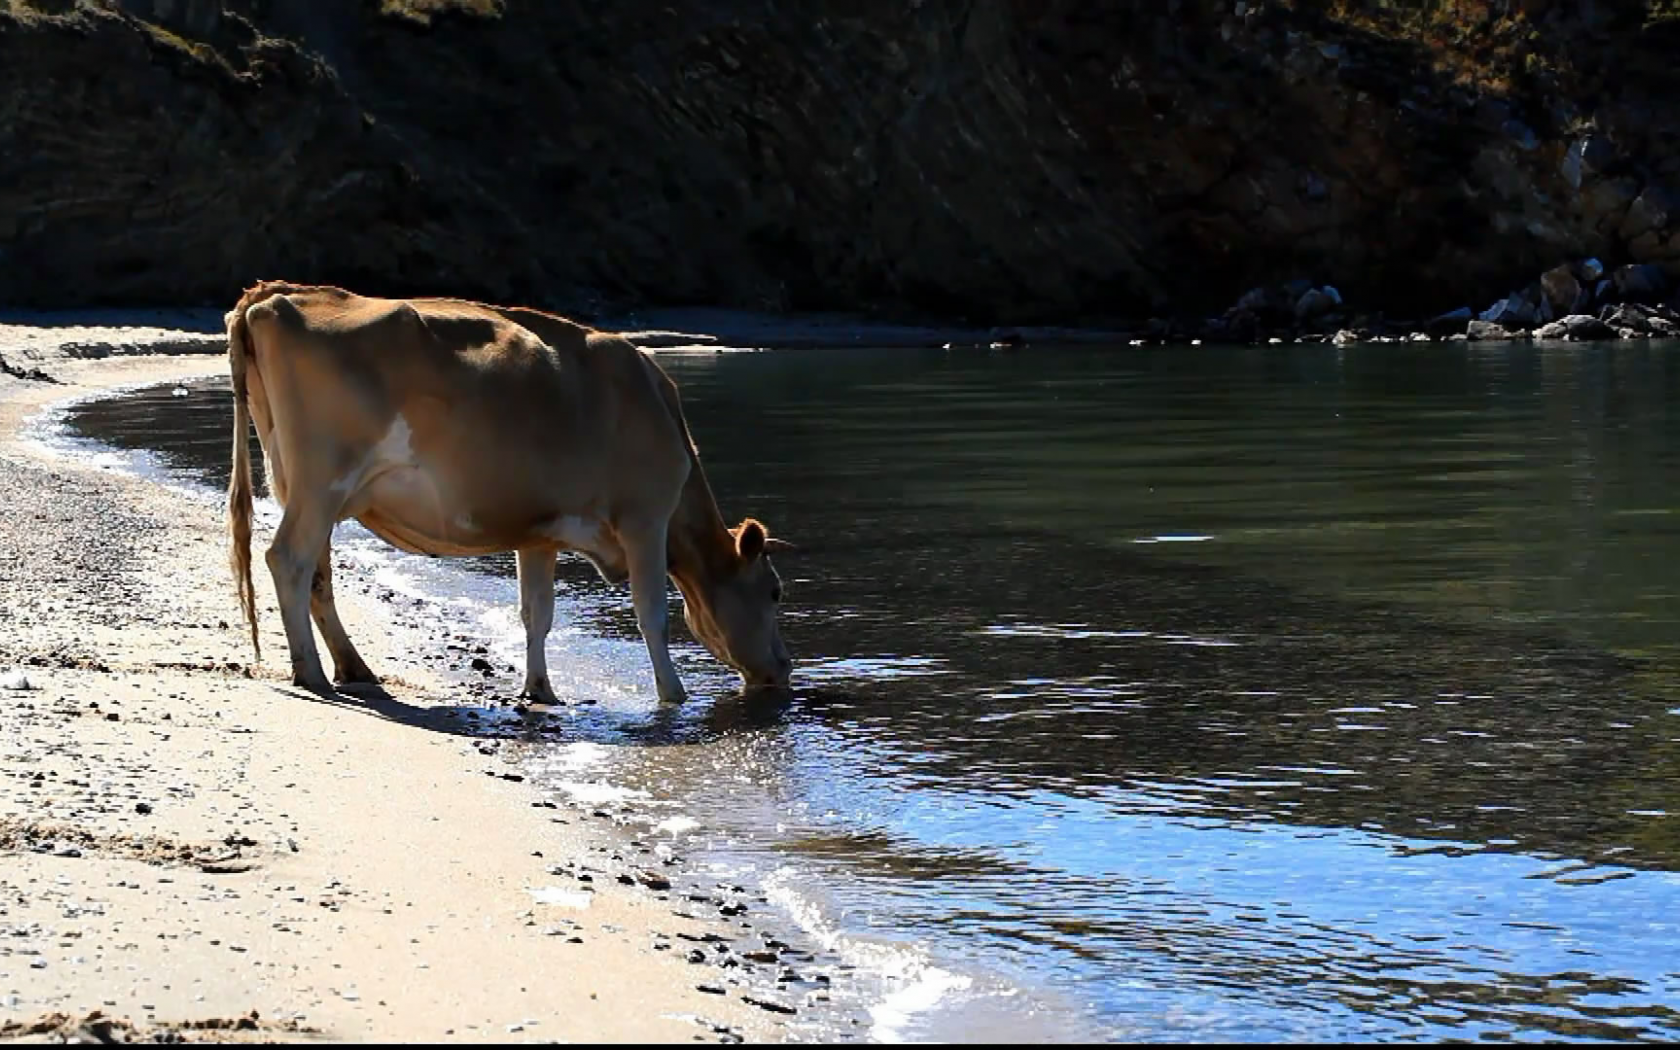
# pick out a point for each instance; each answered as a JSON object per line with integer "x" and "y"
{"x": 239, "y": 486}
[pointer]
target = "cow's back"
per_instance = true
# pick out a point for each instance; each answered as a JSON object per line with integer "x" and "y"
{"x": 517, "y": 415}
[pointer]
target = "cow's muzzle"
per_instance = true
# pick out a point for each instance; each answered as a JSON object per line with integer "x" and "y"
{"x": 779, "y": 677}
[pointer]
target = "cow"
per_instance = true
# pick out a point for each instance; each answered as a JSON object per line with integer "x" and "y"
{"x": 450, "y": 427}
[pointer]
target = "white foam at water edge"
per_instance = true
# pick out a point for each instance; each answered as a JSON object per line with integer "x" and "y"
{"x": 917, "y": 985}
{"x": 595, "y": 792}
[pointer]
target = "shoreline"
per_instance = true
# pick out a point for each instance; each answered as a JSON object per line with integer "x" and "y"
{"x": 195, "y": 849}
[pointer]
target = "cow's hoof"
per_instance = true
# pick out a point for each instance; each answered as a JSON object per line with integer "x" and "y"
{"x": 541, "y": 693}
{"x": 319, "y": 686}
{"x": 674, "y": 695}
{"x": 358, "y": 675}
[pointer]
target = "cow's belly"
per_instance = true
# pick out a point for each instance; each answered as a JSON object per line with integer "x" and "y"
{"x": 407, "y": 508}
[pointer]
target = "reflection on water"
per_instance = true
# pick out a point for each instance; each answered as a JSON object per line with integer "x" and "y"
{"x": 1310, "y": 693}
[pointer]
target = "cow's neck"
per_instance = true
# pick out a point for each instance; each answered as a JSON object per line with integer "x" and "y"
{"x": 699, "y": 545}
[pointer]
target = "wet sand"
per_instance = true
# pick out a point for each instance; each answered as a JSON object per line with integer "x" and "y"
{"x": 191, "y": 848}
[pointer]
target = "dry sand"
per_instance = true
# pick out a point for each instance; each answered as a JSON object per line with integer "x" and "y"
{"x": 191, "y": 848}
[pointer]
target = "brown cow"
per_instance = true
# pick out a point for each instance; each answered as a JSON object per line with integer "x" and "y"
{"x": 449, "y": 427}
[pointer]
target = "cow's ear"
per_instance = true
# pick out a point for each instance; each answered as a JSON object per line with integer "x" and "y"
{"x": 749, "y": 540}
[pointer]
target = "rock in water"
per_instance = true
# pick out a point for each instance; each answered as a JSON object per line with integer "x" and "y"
{"x": 1646, "y": 320}
{"x": 15, "y": 679}
{"x": 1576, "y": 327}
{"x": 1487, "y": 331}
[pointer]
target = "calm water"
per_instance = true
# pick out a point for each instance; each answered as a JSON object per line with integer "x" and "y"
{"x": 1178, "y": 694}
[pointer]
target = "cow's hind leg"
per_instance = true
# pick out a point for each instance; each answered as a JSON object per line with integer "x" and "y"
{"x": 298, "y": 546}
{"x": 645, "y": 551}
{"x": 348, "y": 666}
{"x": 536, "y": 612}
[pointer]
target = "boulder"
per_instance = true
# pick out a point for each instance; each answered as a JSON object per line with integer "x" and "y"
{"x": 1561, "y": 288}
{"x": 1521, "y": 134}
{"x": 1640, "y": 282}
{"x": 1486, "y": 331}
{"x": 1453, "y": 322}
{"x": 1606, "y": 202}
{"x": 197, "y": 18}
{"x": 1236, "y": 325}
{"x": 1576, "y": 327}
{"x": 1254, "y": 300}
{"x": 1511, "y": 312}
{"x": 1273, "y": 303}
{"x": 1646, "y": 320}
{"x": 1649, "y": 213}
{"x": 1647, "y": 247}
{"x": 1588, "y": 156}
{"x": 1590, "y": 270}
{"x": 1314, "y": 302}
{"x": 1598, "y": 155}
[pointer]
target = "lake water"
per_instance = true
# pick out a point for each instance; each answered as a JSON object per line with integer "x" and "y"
{"x": 1191, "y": 694}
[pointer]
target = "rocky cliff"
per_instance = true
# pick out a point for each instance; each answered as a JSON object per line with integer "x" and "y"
{"x": 991, "y": 160}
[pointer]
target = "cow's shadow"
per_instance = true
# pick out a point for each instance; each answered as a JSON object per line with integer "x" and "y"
{"x": 699, "y": 720}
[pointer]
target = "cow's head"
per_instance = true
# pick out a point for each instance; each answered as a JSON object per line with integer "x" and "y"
{"x": 736, "y": 619}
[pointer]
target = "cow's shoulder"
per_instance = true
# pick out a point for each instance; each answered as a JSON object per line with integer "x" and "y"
{"x": 323, "y": 310}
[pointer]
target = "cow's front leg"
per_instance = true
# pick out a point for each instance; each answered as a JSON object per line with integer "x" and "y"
{"x": 536, "y": 612}
{"x": 645, "y": 551}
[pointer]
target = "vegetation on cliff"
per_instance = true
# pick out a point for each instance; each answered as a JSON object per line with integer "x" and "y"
{"x": 993, "y": 160}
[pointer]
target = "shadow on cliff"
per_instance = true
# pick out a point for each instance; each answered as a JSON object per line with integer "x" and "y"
{"x": 978, "y": 160}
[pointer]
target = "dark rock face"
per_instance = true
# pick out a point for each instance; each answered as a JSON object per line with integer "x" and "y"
{"x": 993, "y": 160}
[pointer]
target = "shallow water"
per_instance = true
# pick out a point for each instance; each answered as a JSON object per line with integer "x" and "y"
{"x": 1302, "y": 693}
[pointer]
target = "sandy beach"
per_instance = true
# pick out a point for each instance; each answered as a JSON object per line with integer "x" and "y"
{"x": 191, "y": 848}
